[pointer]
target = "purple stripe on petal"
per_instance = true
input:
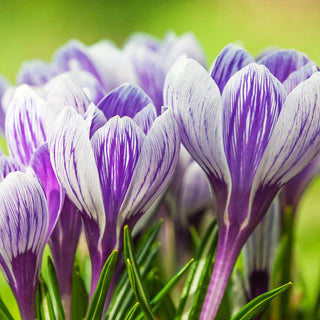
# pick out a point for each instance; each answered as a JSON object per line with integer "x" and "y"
{"x": 300, "y": 75}
{"x": 295, "y": 140}
{"x": 196, "y": 103}
{"x": 8, "y": 165}
{"x": 252, "y": 102}
{"x": 145, "y": 118}
{"x": 35, "y": 73}
{"x": 94, "y": 118}
{"x": 230, "y": 60}
{"x": 117, "y": 148}
{"x": 155, "y": 167}
{"x": 126, "y": 100}
{"x": 73, "y": 161}
{"x": 25, "y": 124}
{"x": 41, "y": 165}
{"x": 282, "y": 63}
{"x": 4, "y": 84}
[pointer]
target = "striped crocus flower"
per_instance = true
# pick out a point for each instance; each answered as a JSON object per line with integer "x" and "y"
{"x": 250, "y": 138}
{"x": 114, "y": 172}
{"x": 24, "y": 230}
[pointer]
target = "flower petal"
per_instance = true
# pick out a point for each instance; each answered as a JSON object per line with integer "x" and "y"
{"x": 126, "y": 100}
{"x": 295, "y": 140}
{"x": 252, "y": 102}
{"x": 8, "y": 165}
{"x": 35, "y": 73}
{"x": 196, "y": 103}
{"x": 155, "y": 167}
{"x": 145, "y": 118}
{"x": 25, "y": 127}
{"x": 230, "y": 60}
{"x": 282, "y": 63}
{"x": 94, "y": 118}
{"x": 116, "y": 147}
{"x": 73, "y": 162}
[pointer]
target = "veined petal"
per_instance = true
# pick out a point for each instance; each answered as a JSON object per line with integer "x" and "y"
{"x": 230, "y": 60}
{"x": 24, "y": 221}
{"x": 4, "y": 84}
{"x": 155, "y": 167}
{"x": 35, "y": 73}
{"x": 282, "y": 63}
{"x": 25, "y": 130}
{"x": 116, "y": 147}
{"x": 252, "y": 101}
{"x": 196, "y": 103}
{"x": 42, "y": 168}
{"x": 300, "y": 75}
{"x": 144, "y": 39}
{"x": 145, "y": 118}
{"x": 295, "y": 140}
{"x": 94, "y": 118}
{"x": 73, "y": 162}
{"x": 149, "y": 72}
{"x": 126, "y": 100}
{"x": 8, "y": 165}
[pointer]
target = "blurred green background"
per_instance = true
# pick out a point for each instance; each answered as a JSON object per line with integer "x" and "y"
{"x": 35, "y": 29}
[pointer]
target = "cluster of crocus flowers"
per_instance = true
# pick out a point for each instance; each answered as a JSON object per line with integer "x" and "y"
{"x": 94, "y": 141}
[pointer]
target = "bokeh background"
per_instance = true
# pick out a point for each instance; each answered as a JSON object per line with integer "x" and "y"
{"x": 31, "y": 29}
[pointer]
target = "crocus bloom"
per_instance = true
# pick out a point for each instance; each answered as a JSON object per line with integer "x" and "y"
{"x": 250, "y": 140}
{"x": 259, "y": 252}
{"x": 115, "y": 176}
{"x": 24, "y": 229}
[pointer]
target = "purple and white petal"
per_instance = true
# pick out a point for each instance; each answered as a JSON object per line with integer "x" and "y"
{"x": 126, "y": 100}
{"x": 295, "y": 140}
{"x": 300, "y": 75}
{"x": 197, "y": 107}
{"x": 35, "y": 73}
{"x": 282, "y": 63}
{"x": 155, "y": 167}
{"x": 4, "y": 84}
{"x": 24, "y": 224}
{"x": 252, "y": 101}
{"x": 116, "y": 147}
{"x": 145, "y": 40}
{"x": 145, "y": 118}
{"x": 8, "y": 165}
{"x": 42, "y": 168}
{"x": 25, "y": 127}
{"x": 113, "y": 65}
{"x": 73, "y": 162}
{"x": 94, "y": 118}
{"x": 230, "y": 60}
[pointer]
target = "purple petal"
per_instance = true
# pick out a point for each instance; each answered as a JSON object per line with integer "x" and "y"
{"x": 295, "y": 140}
{"x": 282, "y": 63}
{"x": 35, "y": 73}
{"x": 145, "y": 40}
{"x": 73, "y": 162}
{"x": 4, "y": 84}
{"x": 23, "y": 231}
{"x": 117, "y": 147}
{"x": 41, "y": 165}
{"x": 126, "y": 100}
{"x": 145, "y": 118}
{"x": 300, "y": 75}
{"x": 25, "y": 130}
{"x": 94, "y": 118}
{"x": 8, "y": 165}
{"x": 252, "y": 102}
{"x": 155, "y": 167}
{"x": 196, "y": 103}
{"x": 230, "y": 60}
{"x": 149, "y": 71}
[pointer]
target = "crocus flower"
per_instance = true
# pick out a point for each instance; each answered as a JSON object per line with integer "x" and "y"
{"x": 114, "y": 174}
{"x": 250, "y": 140}
{"x": 259, "y": 252}
{"x": 24, "y": 229}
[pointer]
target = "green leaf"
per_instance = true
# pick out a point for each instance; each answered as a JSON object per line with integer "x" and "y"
{"x": 79, "y": 295}
{"x": 258, "y": 304}
{"x": 132, "y": 312}
{"x": 53, "y": 281}
{"x": 44, "y": 302}
{"x": 134, "y": 275}
{"x": 195, "y": 287}
{"x": 100, "y": 294}
{"x": 4, "y": 312}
